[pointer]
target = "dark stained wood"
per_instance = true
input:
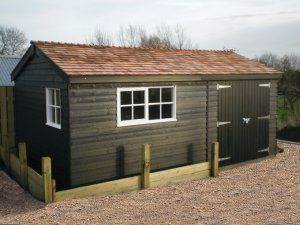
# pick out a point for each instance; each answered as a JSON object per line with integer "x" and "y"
{"x": 31, "y": 128}
{"x": 212, "y": 116}
{"x": 95, "y": 136}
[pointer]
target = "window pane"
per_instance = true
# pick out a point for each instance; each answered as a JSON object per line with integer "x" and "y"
{"x": 58, "y": 116}
{"x": 139, "y": 112}
{"x": 52, "y": 114}
{"x": 138, "y": 97}
{"x": 166, "y": 111}
{"x": 126, "y": 98}
{"x": 154, "y": 112}
{"x": 126, "y": 113}
{"x": 57, "y": 97}
{"x": 51, "y": 96}
{"x": 154, "y": 95}
{"x": 166, "y": 94}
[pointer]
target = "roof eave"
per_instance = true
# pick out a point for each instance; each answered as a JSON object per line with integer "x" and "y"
{"x": 28, "y": 54}
{"x": 169, "y": 78}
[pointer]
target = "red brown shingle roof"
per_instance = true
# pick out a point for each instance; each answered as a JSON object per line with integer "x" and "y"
{"x": 79, "y": 59}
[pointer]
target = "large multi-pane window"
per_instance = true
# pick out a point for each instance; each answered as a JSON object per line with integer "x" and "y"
{"x": 141, "y": 105}
{"x": 53, "y": 107}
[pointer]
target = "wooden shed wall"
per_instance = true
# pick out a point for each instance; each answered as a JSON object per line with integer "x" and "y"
{"x": 30, "y": 108}
{"x": 102, "y": 151}
{"x": 212, "y": 115}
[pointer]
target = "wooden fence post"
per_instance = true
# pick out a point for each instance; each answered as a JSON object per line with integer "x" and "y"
{"x": 215, "y": 159}
{"x": 23, "y": 164}
{"x": 4, "y": 128}
{"x": 53, "y": 189}
{"x": 145, "y": 178}
{"x": 47, "y": 179}
{"x": 10, "y": 117}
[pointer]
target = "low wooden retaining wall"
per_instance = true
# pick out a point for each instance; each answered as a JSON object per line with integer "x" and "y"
{"x": 146, "y": 179}
{"x": 171, "y": 176}
{"x": 42, "y": 186}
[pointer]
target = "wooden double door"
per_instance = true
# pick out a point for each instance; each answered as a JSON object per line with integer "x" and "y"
{"x": 243, "y": 120}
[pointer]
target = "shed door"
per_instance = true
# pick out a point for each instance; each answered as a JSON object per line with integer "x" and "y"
{"x": 242, "y": 121}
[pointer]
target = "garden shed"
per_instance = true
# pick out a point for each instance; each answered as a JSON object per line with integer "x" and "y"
{"x": 90, "y": 108}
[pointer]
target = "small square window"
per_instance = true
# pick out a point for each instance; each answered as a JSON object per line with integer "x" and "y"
{"x": 138, "y": 97}
{"x": 139, "y": 112}
{"x": 126, "y": 98}
{"x": 53, "y": 107}
{"x": 126, "y": 113}
{"x": 154, "y": 112}
{"x": 154, "y": 95}
{"x": 166, "y": 111}
{"x": 166, "y": 94}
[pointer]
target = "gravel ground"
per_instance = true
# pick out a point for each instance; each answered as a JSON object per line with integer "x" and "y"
{"x": 266, "y": 192}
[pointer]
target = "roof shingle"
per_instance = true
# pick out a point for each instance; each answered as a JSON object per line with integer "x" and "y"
{"x": 85, "y": 60}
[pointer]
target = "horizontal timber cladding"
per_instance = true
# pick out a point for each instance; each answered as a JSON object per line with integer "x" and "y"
{"x": 102, "y": 151}
{"x": 30, "y": 110}
{"x": 212, "y": 115}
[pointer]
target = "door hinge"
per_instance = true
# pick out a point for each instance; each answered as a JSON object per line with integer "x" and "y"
{"x": 221, "y": 86}
{"x": 264, "y": 117}
{"x": 222, "y": 123}
{"x": 224, "y": 158}
{"x": 263, "y": 150}
{"x": 265, "y": 85}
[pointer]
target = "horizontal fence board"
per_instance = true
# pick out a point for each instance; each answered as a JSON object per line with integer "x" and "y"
{"x": 2, "y": 151}
{"x": 180, "y": 174}
{"x": 35, "y": 184}
{"x": 107, "y": 188}
{"x": 15, "y": 167}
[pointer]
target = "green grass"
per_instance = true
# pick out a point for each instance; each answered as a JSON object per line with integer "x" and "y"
{"x": 285, "y": 116}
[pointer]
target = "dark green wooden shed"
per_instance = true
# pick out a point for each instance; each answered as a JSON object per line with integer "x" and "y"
{"x": 90, "y": 108}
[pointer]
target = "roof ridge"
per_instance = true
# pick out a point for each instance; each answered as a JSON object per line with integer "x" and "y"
{"x": 126, "y": 47}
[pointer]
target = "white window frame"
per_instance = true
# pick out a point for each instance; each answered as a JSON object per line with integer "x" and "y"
{"x": 146, "y": 120}
{"x": 48, "y": 107}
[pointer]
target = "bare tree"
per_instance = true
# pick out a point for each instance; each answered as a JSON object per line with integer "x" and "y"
{"x": 269, "y": 59}
{"x": 166, "y": 35}
{"x": 99, "y": 37}
{"x": 289, "y": 84}
{"x": 163, "y": 36}
{"x": 182, "y": 41}
{"x": 131, "y": 35}
{"x": 153, "y": 41}
{"x": 12, "y": 41}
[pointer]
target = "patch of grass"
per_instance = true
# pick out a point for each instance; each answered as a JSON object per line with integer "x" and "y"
{"x": 285, "y": 116}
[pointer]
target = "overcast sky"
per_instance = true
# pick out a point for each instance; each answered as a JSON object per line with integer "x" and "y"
{"x": 251, "y": 27}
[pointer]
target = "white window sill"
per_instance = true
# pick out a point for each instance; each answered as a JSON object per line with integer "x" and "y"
{"x": 144, "y": 122}
{"x": 58, "y": 126}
